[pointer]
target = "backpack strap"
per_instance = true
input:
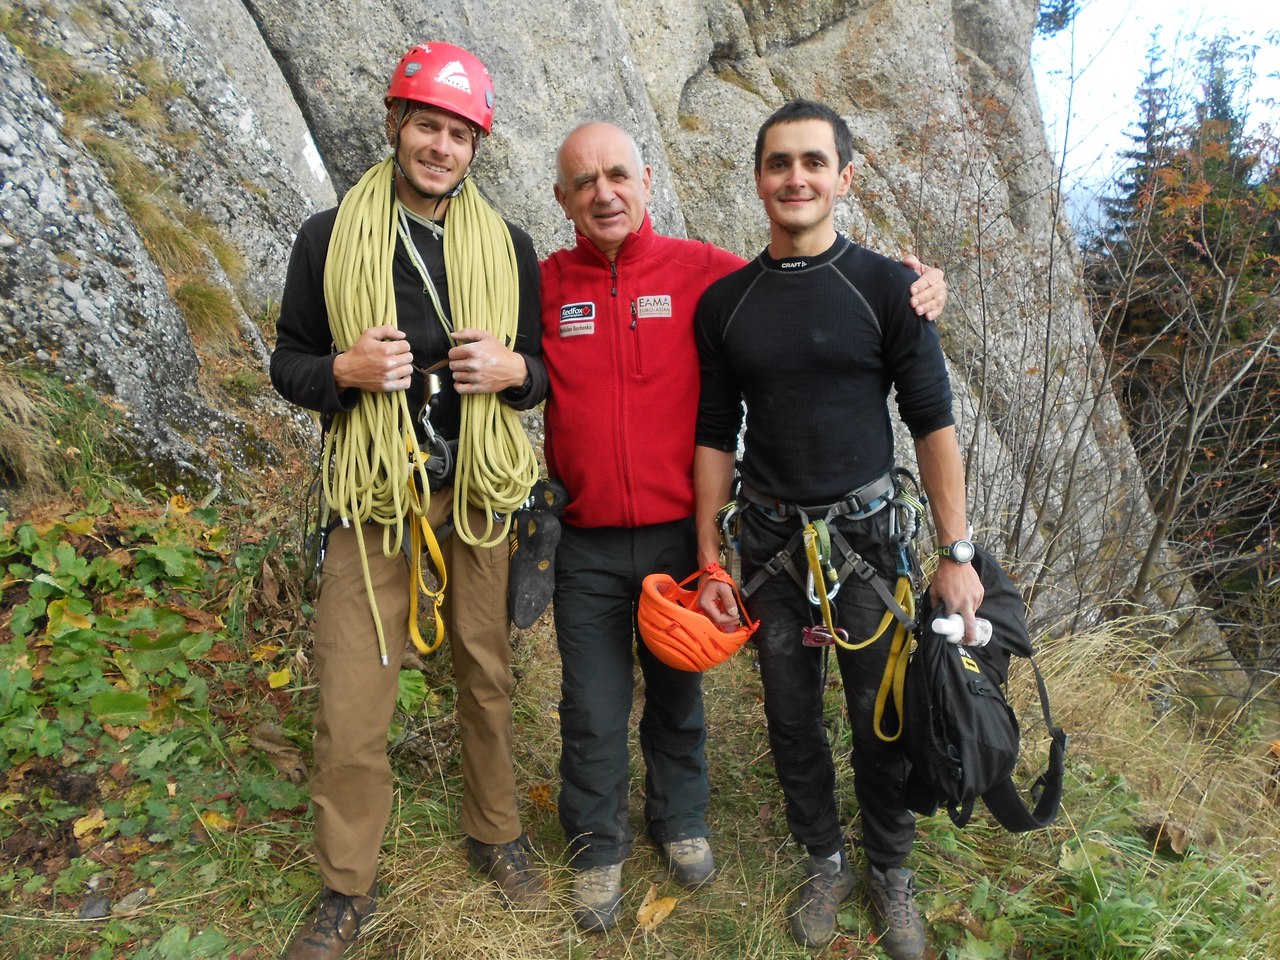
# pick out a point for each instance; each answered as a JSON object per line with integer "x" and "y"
{"x": 1005, "y": 802}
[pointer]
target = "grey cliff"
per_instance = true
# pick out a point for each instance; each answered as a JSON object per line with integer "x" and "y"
{"x": 281, "y": 105}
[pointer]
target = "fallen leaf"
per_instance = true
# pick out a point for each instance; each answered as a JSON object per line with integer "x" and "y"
{"x": 215, "y": 821}
{"x": 654, "y": 909}
{"x": 265, "y": 651}
{"x": 540, "y": 796}
{"x": 1166, "y": 836}
{"x": 280, "y": 751}
{"x": 119, "y": 733}
{"x": 91, "y": 821}
{"x": 279, "y": 678}
{"x": 132, "y": 903}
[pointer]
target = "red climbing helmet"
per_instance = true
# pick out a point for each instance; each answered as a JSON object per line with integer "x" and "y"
{"x": 678, "y": 632}
{"x": 442, "y": 75}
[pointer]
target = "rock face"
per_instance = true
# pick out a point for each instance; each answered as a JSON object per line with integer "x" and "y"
{"x": 265, "y": 106}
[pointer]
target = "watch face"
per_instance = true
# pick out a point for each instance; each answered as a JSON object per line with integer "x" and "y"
{"x": 961, "y": 551}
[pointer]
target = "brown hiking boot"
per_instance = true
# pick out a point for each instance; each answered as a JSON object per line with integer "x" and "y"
{"x": 510, "y": 867}
{"x": 826, "y": 886}
{"x": 893, "y": 895}
{"x": 332, "y": 927}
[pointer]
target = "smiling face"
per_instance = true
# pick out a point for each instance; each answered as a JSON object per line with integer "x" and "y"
{"x": 798, "y": 181}
{"x": 602, "y": 185}
{"x": 434, "y": 151}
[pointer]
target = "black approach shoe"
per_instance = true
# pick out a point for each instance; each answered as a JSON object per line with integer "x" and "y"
{"x": 510, "y": 866}
{"x": 826, "y": 886}
{"x": 532, "y": 577}
{"x": 893, "y": 896}
{"x": 333, "y": 926}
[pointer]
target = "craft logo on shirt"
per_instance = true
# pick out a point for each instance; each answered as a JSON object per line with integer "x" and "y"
{"x": 792, "y": 264}
{"x": 654, "y": 306}
{"x": 577, "y": 319}
{"x": 968, "y": 661}
{"x": 454, "y": 76}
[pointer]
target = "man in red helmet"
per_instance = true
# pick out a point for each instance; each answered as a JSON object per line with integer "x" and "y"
{"x": 617, "y": 315}
{"x": 439, "y": 105}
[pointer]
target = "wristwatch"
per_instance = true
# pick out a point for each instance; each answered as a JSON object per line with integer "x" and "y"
{"x": 961, "y": 551}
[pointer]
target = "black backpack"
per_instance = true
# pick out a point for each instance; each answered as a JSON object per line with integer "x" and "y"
{"x": 959, "y": 731}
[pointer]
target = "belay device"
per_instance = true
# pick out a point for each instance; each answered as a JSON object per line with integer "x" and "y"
{"x": 957, "y": 727}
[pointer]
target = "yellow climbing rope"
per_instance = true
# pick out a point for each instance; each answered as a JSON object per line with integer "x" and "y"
{"x": 817, "y": 548}
{"x": 373, "y": 471}
{"x": 496, "y": 464}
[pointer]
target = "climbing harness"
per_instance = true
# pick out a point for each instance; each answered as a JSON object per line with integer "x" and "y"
{"x": 820, "y": 560}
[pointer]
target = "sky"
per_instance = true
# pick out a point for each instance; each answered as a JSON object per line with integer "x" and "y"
{"x": 1088, "y": 74}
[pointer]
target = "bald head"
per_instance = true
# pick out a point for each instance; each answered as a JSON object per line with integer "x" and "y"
{"x": 602, "y": 184}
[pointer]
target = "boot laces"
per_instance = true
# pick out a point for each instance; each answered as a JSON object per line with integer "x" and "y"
{"x": 329, "y": 917}
{"x": 900, "y": 899}
{"x": 515, "y": 855}
{"x": 597, "y": 881}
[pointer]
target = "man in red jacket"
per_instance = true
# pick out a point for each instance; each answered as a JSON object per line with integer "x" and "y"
{"x": 617, "y": 316}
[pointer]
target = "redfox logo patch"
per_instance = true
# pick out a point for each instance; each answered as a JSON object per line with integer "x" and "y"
{"x": 577, "y": 319}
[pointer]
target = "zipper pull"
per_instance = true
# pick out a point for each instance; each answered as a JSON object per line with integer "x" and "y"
{"x": 633, "y": 314}
{"x": 613, "y": 272}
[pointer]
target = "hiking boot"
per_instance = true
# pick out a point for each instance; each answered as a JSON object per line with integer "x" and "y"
{"x": 826, "y": 886}
{"x": 532, "y": 576}
{"x": 333, "y": 926}
{"x": 893, "y": 895}
{"x": 689, "y": 861}
{"x": 510, "y": 867}
{"x": 597, "y": 894}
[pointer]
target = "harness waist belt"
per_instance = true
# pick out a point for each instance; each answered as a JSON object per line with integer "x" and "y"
{"x": 866, "y": 500}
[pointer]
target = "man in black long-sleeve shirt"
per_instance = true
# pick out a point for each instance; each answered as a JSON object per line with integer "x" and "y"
{"x": 812, "y": 334}
{"x": 439, "y": 105}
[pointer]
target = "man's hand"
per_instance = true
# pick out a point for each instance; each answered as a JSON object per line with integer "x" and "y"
{"x": 716, "y": 601}
{"x": 956, "y": 588}
{"x": 481, "y": 364}
{"x": 380, "y": 362}
{"x": 929, "y": 293}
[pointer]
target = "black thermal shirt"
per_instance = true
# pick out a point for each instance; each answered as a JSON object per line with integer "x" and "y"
{"x": 813, "y": 345}
{"x": 302, "y": 362}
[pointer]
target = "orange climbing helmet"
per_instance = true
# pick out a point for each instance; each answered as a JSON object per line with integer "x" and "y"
{"x": 442, "y": 75}
{"x": 678, "y": 632}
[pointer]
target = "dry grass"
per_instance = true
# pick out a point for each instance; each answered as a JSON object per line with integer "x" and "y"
{"x": 28, "y": 450}
{"x": 1104, "y": 685}
{"x": 1117, "y": 695}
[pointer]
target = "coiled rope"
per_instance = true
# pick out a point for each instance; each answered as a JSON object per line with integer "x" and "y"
{"x": 370, "y": 460}
{"x": 496, "y": 464}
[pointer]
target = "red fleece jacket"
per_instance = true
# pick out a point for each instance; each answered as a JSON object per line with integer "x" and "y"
{"x": 618, "y": 342}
